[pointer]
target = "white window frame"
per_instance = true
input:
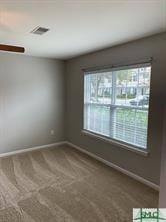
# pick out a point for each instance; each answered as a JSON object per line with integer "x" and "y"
{"x": 113, "y": 106}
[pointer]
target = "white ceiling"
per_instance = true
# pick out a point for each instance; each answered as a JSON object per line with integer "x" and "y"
{"x": 78, "y": 26}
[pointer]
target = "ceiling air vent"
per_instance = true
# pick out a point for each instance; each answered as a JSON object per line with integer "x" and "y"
{"x": 39, "y": 30}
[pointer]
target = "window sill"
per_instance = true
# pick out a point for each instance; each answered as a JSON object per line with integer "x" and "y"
{"x": 105, "y": 139}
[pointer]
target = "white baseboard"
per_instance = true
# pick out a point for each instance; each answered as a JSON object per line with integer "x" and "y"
{"x": 32, "y": 149}
{"x": 126, "y": 172}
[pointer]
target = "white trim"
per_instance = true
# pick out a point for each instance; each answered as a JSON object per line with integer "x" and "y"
{"x": 120, "y": 144}
{"x": 126, "y": 172}
{"x": 18, "y": 151}
{"x": 119, "y": 66}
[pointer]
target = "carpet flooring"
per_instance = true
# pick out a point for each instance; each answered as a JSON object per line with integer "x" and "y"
{"x": 63, "y": 185}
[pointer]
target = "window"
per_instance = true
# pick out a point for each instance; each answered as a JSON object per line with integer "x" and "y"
{"x": 116, "y": 103}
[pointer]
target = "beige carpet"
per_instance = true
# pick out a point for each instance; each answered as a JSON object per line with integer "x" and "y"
{"x": 64, "y": 185}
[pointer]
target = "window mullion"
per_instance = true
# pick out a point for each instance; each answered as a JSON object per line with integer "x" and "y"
{"x": 112, "y": 107}
{"x": 113, "y": 88}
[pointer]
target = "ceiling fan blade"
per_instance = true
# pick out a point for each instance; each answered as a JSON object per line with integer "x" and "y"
{"x": 11, "y": 48}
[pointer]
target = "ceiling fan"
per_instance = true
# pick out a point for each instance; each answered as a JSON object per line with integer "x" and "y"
{"x": 12, "y": 48}
{"x": 5, "y": 18}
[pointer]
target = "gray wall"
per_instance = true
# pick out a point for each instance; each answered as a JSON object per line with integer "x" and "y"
{"x": 31, "y": 101}
{"x": 155, "y": 46}
{"x": 162, "y": 197}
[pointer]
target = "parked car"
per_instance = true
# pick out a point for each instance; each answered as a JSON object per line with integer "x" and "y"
{"x": 140, "y": 100}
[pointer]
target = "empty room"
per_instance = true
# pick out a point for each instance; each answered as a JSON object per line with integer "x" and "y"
{"x": 82, "y": 110}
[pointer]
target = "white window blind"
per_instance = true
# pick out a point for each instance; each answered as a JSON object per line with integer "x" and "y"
{"x": 116, "y": 103}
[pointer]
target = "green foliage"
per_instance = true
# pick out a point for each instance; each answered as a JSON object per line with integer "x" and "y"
{"x": 123, "y": 96}
{"x": 123, "y": 75}
{"x": 124, "y": 115}
{"x": 140, "y": 118}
